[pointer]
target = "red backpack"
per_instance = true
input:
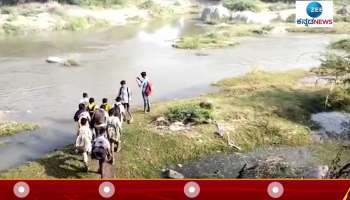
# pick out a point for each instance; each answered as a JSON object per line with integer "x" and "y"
{"x": 149, "y": 88}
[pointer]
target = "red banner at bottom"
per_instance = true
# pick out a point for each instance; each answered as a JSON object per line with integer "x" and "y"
{"x": 175, "y": 189}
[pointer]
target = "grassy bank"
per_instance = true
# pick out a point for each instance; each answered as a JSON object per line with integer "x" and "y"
{"x": 12, "y": 128}
{"x": 257, "y": 109}
{"x": 221, "y": 36}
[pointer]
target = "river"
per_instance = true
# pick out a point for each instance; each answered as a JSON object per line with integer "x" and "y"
{"x": 48, "y": 94}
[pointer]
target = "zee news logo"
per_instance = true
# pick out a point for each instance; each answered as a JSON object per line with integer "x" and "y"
{"x": 314, "y": 13}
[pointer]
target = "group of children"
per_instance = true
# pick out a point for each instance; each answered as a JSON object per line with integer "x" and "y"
{"x": 99, "y": 140}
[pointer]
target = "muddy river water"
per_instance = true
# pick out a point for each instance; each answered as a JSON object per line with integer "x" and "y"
{"x": 48, "y": 94}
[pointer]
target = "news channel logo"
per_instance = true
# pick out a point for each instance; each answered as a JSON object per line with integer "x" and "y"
{"x": 314, "y": 14}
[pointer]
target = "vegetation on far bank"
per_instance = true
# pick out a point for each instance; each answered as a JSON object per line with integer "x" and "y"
{"x": 27, "y": 18}
{"x": 221, "y": 36}
{"x": 12, "y": 128}
{"x": 258, "y": 109}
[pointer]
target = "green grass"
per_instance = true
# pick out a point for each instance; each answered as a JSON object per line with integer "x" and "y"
{"x": 12, "y": 128}
{"x": 211, "y": 40}
{"x": 258, "y": 109}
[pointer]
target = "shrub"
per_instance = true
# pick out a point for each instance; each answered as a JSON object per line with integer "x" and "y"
{"x": 241, "y": 5}
{"x": 291, "y": 18}
{"x": 335, "y": 65}
{"x": 342, "y": 45}
{"x": 339, "y": 99}
{"x": 262, "y": 30}
{"x": 189, "y": 113}
{"x": 77, "y": 23}
{"x": 147, "y": 4}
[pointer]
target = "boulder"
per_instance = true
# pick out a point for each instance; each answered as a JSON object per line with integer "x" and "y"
{"x": 220, "y": 129}
{"x": 214, "y": 13}
{"x": 177, "y": 126}
{"x": 332, "y": 125}
{"x": 161, "y": 121}
{"x": 169, "y": 173}
{"x": 250, "y": 17}
{"x": 53, "y": 59}
{"x": 318, "y": 172}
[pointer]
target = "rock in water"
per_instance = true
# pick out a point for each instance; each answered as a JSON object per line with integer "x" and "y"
{"x": 333, "y": 124}
{"x": 173, "y": 174}
{"x": 320, "y": 172}
{"x": 254, "y": 18}
{"x": 70, "y": 62}
{"x": 215, "y": 13}
{"x": 53, "y": 59}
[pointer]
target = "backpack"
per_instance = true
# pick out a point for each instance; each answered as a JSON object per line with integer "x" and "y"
{"x": 98, "y": 153}
{"x": 149, "y": 88}
{"x": 117, "y": 110}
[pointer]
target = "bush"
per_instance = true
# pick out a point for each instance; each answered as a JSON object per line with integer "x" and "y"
{"x": 339, "y": 99}
{"x": 334, "y": 65}
{"x": 342, "y": 45}
{"x": 189, "y": 113}
{"x": 77, "y": 24}
{"x": 262, "y": 30}
{"x": 147, "y": 4}
{"x": 291, "y": 18}
{"x": 241, "y": 5}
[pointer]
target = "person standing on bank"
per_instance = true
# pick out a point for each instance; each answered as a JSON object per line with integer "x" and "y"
{"x": 125, "y": 95}
{"x": 146, "y": 89}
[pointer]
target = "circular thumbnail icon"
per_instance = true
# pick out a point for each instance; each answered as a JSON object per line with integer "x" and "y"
{"x": 21, "y": 189}
{"x": 275, "y": 190}
{"x": 314, "y": 9}
{"x": 192, "y": 189}
{"x": 106, "y": 189}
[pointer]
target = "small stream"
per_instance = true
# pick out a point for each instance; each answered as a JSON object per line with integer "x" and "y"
{"x": 48, "y": 94}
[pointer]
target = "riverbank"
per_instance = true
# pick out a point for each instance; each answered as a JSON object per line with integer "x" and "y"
{"x": 35, "y": 17}
{"x": 259, "y": 109}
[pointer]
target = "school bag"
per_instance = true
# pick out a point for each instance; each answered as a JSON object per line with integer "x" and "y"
{"x": 98, "y": 153}
{"x": 149, "y": 88}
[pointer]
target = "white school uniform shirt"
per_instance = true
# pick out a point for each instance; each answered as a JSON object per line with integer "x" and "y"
{"x": 125, "y": 94}
{"x": 121, "y": 107}
{"x": 85, "y": 101}
{"x": 85, "y": 115}
{"x": 115, "y": 121}
{"x": 84, "y": 138}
